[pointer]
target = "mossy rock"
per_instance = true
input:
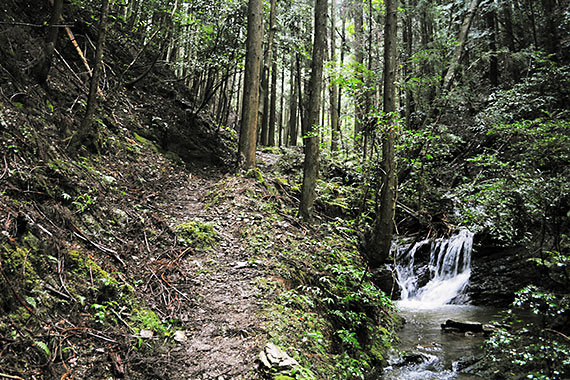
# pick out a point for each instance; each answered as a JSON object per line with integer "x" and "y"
{"x": 83, "y": 265}
{"x": 19, "y": 261}
{"x": 197, "y": 235}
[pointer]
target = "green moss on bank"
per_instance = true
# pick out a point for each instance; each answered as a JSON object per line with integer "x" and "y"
{"x": 197, "y": 235}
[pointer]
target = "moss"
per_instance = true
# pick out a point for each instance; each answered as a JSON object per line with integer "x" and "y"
{"x": 197, "y": 235}
{"x": 84, "y": 265}
{"x": 145, "y": 319}
{"x": 256, "y": 174}
{"x": 145, "y": 142}
{"x": 19, "y": 262}
{"x": 21, "y": 316}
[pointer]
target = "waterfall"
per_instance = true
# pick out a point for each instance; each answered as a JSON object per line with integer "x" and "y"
{"x": 439, "y": 280}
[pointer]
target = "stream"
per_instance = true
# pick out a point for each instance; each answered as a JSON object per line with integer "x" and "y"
{"x": 433, "y": 275}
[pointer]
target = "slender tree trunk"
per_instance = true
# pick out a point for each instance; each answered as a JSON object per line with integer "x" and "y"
{"x": 267, "y": 64}
{"x": 381, "y": 241}
{"x": 533, "y": 23}
{"x": 248, "y": 130}
{"x": 301, "y": 103}
{"x": 407, "y": 38}
{"x": 491, "y": 19}
{"x": 509, "y": 38}
{"x": 281, "y": 108}
{"x": 460, "y": 48}
{"x": 342, "y": 51}
{"x": 293, "y": 117}
{"x": 88, "y": 133}
{"x": 273, "y": 105}
{"x": 359, "y": 58}
{"x": 333, "y": 86}
{"x": 43, "y": 66}
{"x": 311, "y": 164}
{"x": 551, "y": 27}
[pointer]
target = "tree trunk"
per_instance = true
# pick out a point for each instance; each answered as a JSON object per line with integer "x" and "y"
{"x": 267, "y": 64}
{"x": 311, "y": 164}
{"x": 381, "y": 240}
{"x": 551, "y": 27}
{"x": 248, "y": 130}
{"x": 273, "y": 105}
{"x": 359, "y": 58}
{"x": 43, "y": 65}
{"x": 509, "y": 38}
{"x": 334, "y": 87}
{"x": 281, "y": 107}
{"x": 491, "y": 17}
{"x": 460, "y": 48}
{"x": 293, "y": 106}
{"x": 88, "y": 133}
{"x": 407, "y": 38}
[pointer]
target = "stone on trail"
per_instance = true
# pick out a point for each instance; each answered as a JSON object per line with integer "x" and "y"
{"x": 273, "y": 357}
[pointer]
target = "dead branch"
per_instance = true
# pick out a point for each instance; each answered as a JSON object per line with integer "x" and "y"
{"x": 14, "y": 23}
{"x": 6, "y": 376}
{"x": 110, "y": 251}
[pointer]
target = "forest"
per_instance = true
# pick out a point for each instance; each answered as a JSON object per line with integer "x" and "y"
{"x": 285, "y": 189}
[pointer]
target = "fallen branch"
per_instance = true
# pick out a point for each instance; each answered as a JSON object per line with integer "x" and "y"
{"x": 5, "y": 168}
{"x": 70, "y": 69}
{"x": 6, "y": 376}
{"x": 559, "y": 333}
{"x": 14, "y": 23}
{"x": 110, "y": 251}
{"x": 82, "y": 56}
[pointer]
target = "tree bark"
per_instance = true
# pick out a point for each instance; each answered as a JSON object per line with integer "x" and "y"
{"x": 407, "y": 39}
{"x": 359, "y": 111}
{"x": 293, "y": 117}
{"x": 43, "y": 66}
{"x": 491, "y": 17}
{"x": 248, "y": 130}
{"x": 267, "y": 64}
{"x": 334, "y": 87}
{"x": 281, "y": 107}
{"x": 273, "y": 105}
{"x": 381, "y": 240}
{"x": 311, "y": 164}
{"x": 460, "y": 48}
{"x": 88, "y": 133}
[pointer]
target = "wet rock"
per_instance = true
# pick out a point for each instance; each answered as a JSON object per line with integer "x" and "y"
{"x": 414, "y": 357}
{"x": 385, "y": 279}
{"x": 462, "y": 326}
{"x": 498, "y": 272}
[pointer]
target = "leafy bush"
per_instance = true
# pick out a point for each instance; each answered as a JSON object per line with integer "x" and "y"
{"x": 535, "y": 351}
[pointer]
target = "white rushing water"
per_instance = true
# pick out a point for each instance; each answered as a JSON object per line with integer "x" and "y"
{"x": 433, "y": 275}
{"x": 449, "y": 271}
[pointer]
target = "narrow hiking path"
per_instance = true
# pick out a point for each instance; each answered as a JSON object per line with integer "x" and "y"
{"x": 222, "y": 337}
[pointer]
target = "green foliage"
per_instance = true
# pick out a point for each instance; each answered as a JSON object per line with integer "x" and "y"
{"x": 197, "y": 235}
{"x": 145, "y": 319}
{"x": 523, "y": 185}
{"x": 535, "y": 352}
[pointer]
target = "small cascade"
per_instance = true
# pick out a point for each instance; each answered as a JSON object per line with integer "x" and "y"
{"x": 443, "y": 277}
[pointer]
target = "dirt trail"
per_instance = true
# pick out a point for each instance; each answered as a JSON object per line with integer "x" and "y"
{"x": 222, "y": 336}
